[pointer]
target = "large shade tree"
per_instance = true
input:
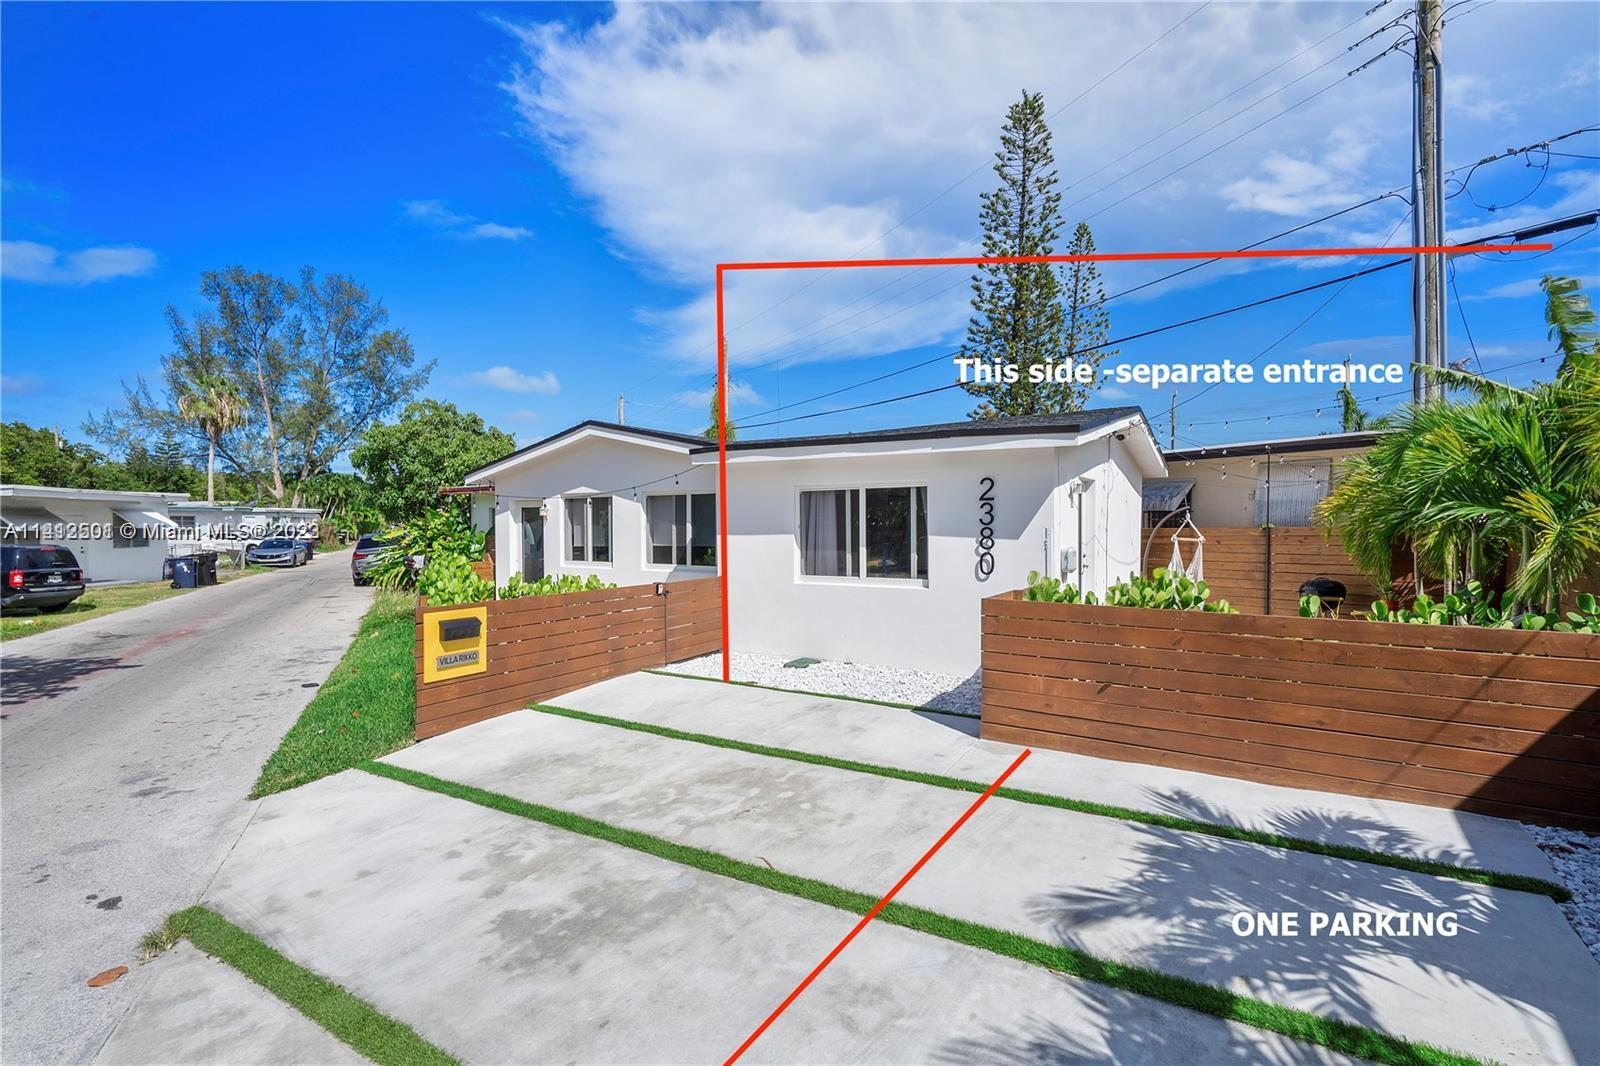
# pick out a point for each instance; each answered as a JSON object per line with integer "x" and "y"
{"x": 315, "y": 365}
{"x": 1506, "y": 479}
{"x": 431, "y": 446}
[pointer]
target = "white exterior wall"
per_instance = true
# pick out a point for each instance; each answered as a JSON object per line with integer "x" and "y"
{"x": 776, "y": 611}
{"x": 585, "y": 468}
{"x": 101, "y": 560}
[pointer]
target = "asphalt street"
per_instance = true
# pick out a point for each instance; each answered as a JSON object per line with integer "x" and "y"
{"x": 127, "y": 746}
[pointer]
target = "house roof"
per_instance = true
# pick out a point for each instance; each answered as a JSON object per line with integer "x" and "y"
{"x": 1020, "y": 425}
{"x": 682, "y": 442}
{"x": 56, "y": 492}
{"x": 998, "y": 431}
{"x": 1327, "y": 442}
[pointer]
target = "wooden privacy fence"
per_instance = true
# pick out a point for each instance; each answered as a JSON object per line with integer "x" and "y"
{"x": 1237, "y": 566}
{"x": 541, "y": 646}
{"x": 1498, "y": 721}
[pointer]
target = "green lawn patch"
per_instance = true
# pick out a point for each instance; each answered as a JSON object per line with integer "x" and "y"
{"x": 1492, "y": 878}
{"x": 97, "y": 602}
{"x": 1208, "y": 999}
{"x": 349, "y": 1018}
{"x": 366, "y": 708}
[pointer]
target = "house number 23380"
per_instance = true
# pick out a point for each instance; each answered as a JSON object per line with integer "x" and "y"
{"x": 985, "y": 528}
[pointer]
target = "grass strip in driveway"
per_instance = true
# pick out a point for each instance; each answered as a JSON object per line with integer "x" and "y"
{"x": 1343, "y": 1037}
{"x": 351, "y": 1019}
{"x": 1491, "y": 878}
{"x": 366, "y": 708}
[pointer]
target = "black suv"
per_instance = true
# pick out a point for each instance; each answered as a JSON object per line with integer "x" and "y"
{"x": 43, "y": 576}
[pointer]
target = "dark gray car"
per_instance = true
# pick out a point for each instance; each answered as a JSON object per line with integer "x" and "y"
{"x": 276, "y": 551}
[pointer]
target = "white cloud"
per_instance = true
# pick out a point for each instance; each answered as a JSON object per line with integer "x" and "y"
{"x": 1296, "y": 187}
{"x": 1469, "y": 95}
{"x": 510, "y": 379}
{"x": 1525, "y": 288}
{"x": 738, "y": 394}
{"x": 703, "y": 134}
{"x": 438, "y": 214}
{"x": 21, "y": 384}
{"x": 29, "y": 261}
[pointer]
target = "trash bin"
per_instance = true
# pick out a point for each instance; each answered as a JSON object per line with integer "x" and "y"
{"x": 185, "y": 571}
{"x": 207, "y": 568}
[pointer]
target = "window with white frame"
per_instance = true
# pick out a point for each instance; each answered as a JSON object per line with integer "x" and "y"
{"x": 682, "y": 529}
{"x": 588, "y": 529}
{"x": 865, "y": 533}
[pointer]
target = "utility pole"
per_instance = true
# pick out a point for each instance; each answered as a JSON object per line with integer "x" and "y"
{"x": 621, "y": 420}
{"x": 1428, "y": 279}
{"x": 1172, "y": 424}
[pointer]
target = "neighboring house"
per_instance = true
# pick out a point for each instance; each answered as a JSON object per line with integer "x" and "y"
{"x": 1228, "y": 484}
{"x": 873, "y": 547}
{"x": 117, "y": 536}
{"x": 1255, "y": 502}
{"x": 231, "y": 526}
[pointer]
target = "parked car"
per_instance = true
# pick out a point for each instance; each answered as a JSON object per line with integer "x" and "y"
{"x": 365, "y": 556}
{"x": 276, "y": 551}
{"x": 41, "y": 576}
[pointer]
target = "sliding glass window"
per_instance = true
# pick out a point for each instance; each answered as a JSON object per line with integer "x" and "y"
{"x": 865, "y": 533}
{"x": 682, "y": 529}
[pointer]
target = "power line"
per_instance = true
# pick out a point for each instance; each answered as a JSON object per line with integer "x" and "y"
{"x": 1462, "y": 312}
{"x": 1344, "y": 278}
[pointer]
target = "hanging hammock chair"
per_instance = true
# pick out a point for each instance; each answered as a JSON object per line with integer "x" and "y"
{"x": 1195, "y": 568}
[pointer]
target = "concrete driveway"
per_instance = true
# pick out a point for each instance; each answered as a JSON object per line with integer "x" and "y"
{"x": 129, "y": 743}
{"x": 502, "y": 939}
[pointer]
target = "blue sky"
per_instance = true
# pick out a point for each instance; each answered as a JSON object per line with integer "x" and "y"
{"x": 539, "y": 193}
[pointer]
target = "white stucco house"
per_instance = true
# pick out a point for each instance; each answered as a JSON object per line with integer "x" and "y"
{"x": 116, "y": 536}
{"x": 872, "y": 547}
{"x": 232, "y": 526}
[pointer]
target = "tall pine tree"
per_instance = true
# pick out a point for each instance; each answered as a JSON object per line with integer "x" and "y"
{"x": 1088, "y": 322}
{"x": 1017, "y": 314}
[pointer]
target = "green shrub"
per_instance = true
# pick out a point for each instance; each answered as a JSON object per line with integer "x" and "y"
{"x": 438, "y": 533}
{"x": 1162, "y": 590}
{"x": 552, "y": 586}
{"x": 448, "y": 580}
{"x": 1472, "y": 605}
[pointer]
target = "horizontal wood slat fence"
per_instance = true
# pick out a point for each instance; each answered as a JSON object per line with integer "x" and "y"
{"x": 542, "y": 646}
{"x": 1497, "y": 721}
{"x": 1235, "y": 566}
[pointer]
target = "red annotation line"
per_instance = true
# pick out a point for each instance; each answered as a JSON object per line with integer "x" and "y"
{"x": 873, "y": 913}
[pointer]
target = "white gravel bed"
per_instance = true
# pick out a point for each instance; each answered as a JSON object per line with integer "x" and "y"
{"x": 1576, "y": 857}
{"x": 943, "y": 692}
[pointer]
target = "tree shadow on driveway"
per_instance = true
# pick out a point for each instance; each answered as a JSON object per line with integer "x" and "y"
{"x": 26, "y": 678}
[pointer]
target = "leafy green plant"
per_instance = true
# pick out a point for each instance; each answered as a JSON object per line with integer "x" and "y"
{"x": 1472, "y": 605}
{"x": 440, "y": 532}
{"x": 1163, "y": 590}
{"x": 549, "y": 585}
{"x": 1508, "y": 477}
{"x": 448, "y": 578}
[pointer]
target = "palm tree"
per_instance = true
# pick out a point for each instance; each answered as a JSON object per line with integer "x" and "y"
{"x": 215, "y": 404}
{"x": 1509, "y": 474}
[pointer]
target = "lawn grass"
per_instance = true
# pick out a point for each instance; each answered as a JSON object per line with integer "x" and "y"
{"x": 98, "y": 602}
{"x": 1208, "y": 999}
{"x": 349, "y": 1018}
{"x": 1492, "y": 878}
{"x": 366, "y": 708}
